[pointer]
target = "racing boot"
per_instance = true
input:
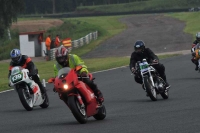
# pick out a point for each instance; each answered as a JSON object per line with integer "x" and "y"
{"x": 196, "y": 68}
{"x": 100, "y": 98}
{"x": 167, "y": 85}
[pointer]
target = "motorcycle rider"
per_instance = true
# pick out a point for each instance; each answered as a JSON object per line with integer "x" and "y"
{"x": 17, "y": 59}
{"x": 139, "y": 54}
{"x": 64, "y": 59}
{"x": 195, "y": 45}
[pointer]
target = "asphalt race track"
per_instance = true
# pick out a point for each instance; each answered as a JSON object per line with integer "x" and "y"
{"x": 128, "y": 108}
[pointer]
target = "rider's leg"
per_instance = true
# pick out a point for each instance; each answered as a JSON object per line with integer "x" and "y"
{"x": 95, "y": 89}
{"x": 37, "y": 80}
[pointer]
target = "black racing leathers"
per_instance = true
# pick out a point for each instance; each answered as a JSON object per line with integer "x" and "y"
{"x": 195, "y": 42}
{"x": 27, "y": 63}
{"x": 149, "y": 56}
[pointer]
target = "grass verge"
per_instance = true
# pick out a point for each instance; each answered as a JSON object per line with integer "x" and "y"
{"x": 108, "y": 26}
{"x": 46, "y": 68}
{"x": 191, "y": 19}
{"x": 148, "y": 5}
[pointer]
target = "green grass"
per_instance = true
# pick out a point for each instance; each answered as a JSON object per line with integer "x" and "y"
{"x": 107, "y": 27}
{"x": 149, "y": 5}
{"x": 46, "y": 68}
{"x": 192, "y": 20}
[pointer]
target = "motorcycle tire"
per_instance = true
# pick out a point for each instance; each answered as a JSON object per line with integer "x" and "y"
{"x": 23, "y": 100}
{"x": 165, "y": 95}
{"x": 101, "y": 113}
{"x": 45, "y": 104}
{"x": 150, "y": 89}
{"x": 76, "y": 110}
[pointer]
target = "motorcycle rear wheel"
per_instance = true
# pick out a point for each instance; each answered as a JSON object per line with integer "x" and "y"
{"x": 78, "y": 111}
{"x": 26, "y": 102}
{"x": 101, "y": 113}
{"x": 150, "y": 89}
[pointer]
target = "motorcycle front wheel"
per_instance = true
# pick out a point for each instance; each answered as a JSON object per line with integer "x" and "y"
{"x": 150, "y": 89}
{"x": 25, "y": 98}
{"x": 77, "y": 110}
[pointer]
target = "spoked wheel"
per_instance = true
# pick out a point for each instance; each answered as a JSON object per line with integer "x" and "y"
{"x": 26, "y": 98}
{"x": 77, "y": 109}
{"x": 150, "y": 89}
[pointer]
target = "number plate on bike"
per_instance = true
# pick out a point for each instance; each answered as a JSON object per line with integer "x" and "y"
{"x": 16, "y": 78}
{"x": 144, "y": 66}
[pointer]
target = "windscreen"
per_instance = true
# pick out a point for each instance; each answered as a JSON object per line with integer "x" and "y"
{"x": 63, "y": 71}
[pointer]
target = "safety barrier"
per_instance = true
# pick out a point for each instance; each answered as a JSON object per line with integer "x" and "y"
{"x": 77, "y": 43}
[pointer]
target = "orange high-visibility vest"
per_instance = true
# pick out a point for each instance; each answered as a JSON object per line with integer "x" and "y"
{"x": 57, "y": 42}
{"x": 48, "y": 43}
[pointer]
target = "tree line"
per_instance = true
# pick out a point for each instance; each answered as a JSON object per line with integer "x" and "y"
{"x": 63, "y": 6}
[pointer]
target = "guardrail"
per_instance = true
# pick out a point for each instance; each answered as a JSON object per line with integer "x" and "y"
{"x": 77, "y": 43}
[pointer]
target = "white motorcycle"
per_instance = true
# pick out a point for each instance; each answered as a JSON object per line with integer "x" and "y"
{"x": 28, "y": 91}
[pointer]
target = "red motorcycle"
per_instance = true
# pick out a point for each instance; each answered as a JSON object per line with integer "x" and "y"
{"x": 77, "y": 95}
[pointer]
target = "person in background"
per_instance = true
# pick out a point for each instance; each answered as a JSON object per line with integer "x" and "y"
{"x": 40, "y": 38}
{"x": 57, "y": 41}
{"x": 48, "y": 44}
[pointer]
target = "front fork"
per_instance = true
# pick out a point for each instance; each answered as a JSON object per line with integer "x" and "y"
{"x": 78, "y": 96}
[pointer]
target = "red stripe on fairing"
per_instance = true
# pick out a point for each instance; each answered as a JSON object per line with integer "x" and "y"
{"x": 35, "y": 89}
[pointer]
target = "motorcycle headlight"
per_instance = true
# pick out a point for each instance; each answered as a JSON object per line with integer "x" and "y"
{"x": 65, "y": 86}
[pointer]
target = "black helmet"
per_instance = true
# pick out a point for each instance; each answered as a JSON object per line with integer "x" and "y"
{"x": 139, "y": 46}
{"x": 198, "y": 36}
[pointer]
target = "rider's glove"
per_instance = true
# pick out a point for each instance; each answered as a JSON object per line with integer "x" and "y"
{"x": 84, "y": 74}
{"x": 133, "y": 70}
{"x": 155, "y": 61}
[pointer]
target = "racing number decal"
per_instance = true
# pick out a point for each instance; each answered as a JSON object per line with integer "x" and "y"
{"x": 16, "y": 78}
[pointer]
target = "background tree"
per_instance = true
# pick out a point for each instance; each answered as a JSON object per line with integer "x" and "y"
{"x": 8, "y": 13}
{"x": 54, "y": 6}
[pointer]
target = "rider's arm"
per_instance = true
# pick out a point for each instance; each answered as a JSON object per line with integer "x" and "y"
{"x": 9, "y": 73}
{"x": 55, "y": 70}
{"x": 30, "y": 66}
{"x": 10, "y": 68}
{"x": 132, "y": 61}
{"x": 80, "y": 62}
{"x": 151, "y": 54}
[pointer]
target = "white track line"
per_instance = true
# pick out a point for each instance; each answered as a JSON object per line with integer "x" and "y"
{"x": 93, "y": 72}
{"x": 6, "y": 91}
